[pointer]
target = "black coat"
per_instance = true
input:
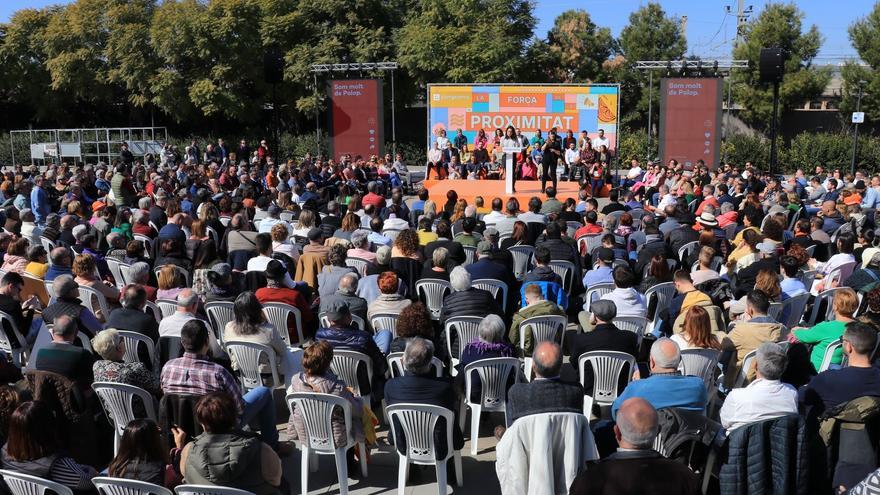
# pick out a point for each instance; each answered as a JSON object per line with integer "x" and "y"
{"x": 643, "y": 472}
{"x": 456, "y": 252}
{"x": 745, "y": 278}
{"x": 543, "y": 396}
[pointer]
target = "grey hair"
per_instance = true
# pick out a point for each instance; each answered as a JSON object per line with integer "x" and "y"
{"x": 105, "y": 343}
{"x": 661, "y": 358}
{"x": 139, "y": 272}
{"x": 348, "y": 283}
{"x": 186, "y": 298}
{"x": 460, "y": 279}
{"x": 641, "y": 436}
{"x": 383, "y": 255}
{"x": 144, "y": 203}
{"x": 470, "y": 211}
{"x": 603, "y": 310}
{"x": 79, "y": 232}
{"x": 64, "y": 326}
{"x": 771, "y": 360}
{"x": 726, "y": 207}
{"x": 418, "y": 355}
{"x": 709, "y": 209}
{"x": 440, "y": 256}
{"x": 359, "y": 238}
{"x": 491, "y": 329}
{"x": 65, "y": 286}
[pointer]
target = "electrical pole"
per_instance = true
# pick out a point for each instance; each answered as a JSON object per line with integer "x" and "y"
{"x": 856, "y": 130}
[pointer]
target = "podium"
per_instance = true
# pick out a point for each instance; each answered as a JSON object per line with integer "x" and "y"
{"x": 510, "y": 153}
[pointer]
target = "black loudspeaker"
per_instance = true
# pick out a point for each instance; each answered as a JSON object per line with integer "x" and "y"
{"x": 771, "y": 65}
{"x": 273, "y": 66}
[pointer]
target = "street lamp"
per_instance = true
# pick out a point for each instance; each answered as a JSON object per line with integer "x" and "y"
{"x": 856, "y": 130}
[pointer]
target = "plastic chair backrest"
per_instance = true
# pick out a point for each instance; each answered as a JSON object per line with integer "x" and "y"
{"x": 433, "y": 291}
{"x": 345, "y": 365}
{"x": 664, "y": 293}
{"x": 50, "y": 288}
{"x": 417, "y": 424}
{"x": 467, "y": 328}
{"x": 358, "y": 264}
{"x": 147, "y": 242}
{"x": 385, "y": 321}
{"x": 25, "y": 484}
{"x": 132, "y": 342}
{"x": 596, "y": 292}
{"x": 247, "y": 356}
{"x": 118, "y": 401}
{"x": 522, "y": 257}
{"x": 88, "y": 296}
{"x": 828, "y": 296}
{"x": 209, "y": 490}
{"x": 685, "y": 251}
{"x": 277, "y": 314}
{"x": 469, "y": 254}
{"x": 125, "y": 271}
{"x": 566, "y": 271}
{"x": 548, "y": 327}
{"x": 48, "y": 244}
{"x": 121, "y": 486}
{"x": 701, "y": 363}
{"x": 634, "y": 324}
{"x": 18, "y": 353}
{"x": 797, "y": 306}
{"x": 180, "y": 271}
{"x": 167, "y": 348}
{"x": 396, "y": 367}
{"x": 219, "y": 314}
{"x": 829, "y": 355}
{"x": 493, "y": 286}
{"x": 113, "y": 265}
{"x": 167, "y": 307}
{"x": 742, "y": 377}
{"x": 151, "y": 308}
{"x": 317, "y": 414}
{"x": 607, "y": 369}
{"x": 494, "y": 374}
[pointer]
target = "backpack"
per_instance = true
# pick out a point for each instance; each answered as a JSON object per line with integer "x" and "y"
{"x": 688, "y": 436}
{"x": 718, "y": 290}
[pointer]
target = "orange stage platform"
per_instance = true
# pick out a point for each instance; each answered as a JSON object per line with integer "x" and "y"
{"x": 489, "y": 189}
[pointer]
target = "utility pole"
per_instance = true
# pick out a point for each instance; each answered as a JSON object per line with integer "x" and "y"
{"x": 684, "y": 25}
{"x": 856, "y": 122}
{"x": 742, "y": 17}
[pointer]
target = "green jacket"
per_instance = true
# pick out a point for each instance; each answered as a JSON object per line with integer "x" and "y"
{"x": 123, "y": 192}
{"x": 541, "y": 308}
{"x": 229, "y": 459}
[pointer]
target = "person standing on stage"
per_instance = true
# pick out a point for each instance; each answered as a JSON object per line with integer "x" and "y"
{"x": 552, "y": 153}
{"x": 510, "y": 141}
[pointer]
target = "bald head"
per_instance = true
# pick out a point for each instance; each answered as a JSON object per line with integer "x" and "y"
{"x": 828, "y": 207}
{"x": 60, "y": 256}
{"x": 637, "y": 424}
{"x": 547, "y": 359}
{"x": 665, "y": 355}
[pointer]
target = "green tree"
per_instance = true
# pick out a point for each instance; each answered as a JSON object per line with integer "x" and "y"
{"x": 444, "y": 42}
{"x": 650, "y": 35}
{"x": 577, "y": 48}
{"x": 131, "y": 59}
{"x": 864, "y": 34}
{"x": 778, "y": 25}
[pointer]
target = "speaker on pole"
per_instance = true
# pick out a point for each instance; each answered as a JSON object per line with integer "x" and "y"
{"x": 771, "y": 65}
{"x": 273, "y": 66}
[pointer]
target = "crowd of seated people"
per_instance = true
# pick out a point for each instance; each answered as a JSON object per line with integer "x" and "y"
{"x": 728, "y": 265}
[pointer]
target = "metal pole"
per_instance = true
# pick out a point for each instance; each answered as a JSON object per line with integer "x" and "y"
{"x": 317, "y": 124}
{"x": 650, "y": 105}
{"x": 773, "y": 127}
{"x": 852, "y": 168}
{"x": 393, "y": 122}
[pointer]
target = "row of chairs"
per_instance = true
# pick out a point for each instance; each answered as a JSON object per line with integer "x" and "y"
{"x": 25, "y": 484}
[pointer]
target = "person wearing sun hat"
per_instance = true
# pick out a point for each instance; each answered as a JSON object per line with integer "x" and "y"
{"x": 707, "y": 220}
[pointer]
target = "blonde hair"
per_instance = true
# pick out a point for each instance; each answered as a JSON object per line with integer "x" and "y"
{"x": 846, "y": 302}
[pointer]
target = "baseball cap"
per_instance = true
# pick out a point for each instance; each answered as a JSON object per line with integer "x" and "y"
{"x": 605, "y": 255}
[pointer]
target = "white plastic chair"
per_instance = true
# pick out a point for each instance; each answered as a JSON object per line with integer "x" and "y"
{"x": 345, "y": 365}
{"x": 522, "y": 259}
{"x": 25, "y": 484}
{"x": 742, "y": 377}
{"x": 219, "y": 314}
{"x": 84, "y": 341}
{"x": 467, "y": 329}
{"x": 433, "y": 291}
{"x": 113, "y": 265}
{"x": 700, "y": 362}
{"x": 549, "y": 327}
{"x": 355, "y": 320}
{"x": 825, "y": 295}
{"x": 132, "y": 342}
{"x": 317, "y": 415}
{"x": 151, "y": 308}
{"x": 147, "y": 242}
{"x": 120, "y": 486}
{"x": 247, "y": 356}
{"x": 595, "y": 292}
{"x": 209, "y": 490}
{"x": 48, "y": 244}
{"x": 358, "y": 264}
{"x": 88, "y": 296}
{"x": 469, "y": 254}
{"x": 634, "y": 324}
{"x": 829, "y": 355}
{"x": 796, "y": 307}
{"x": 18, "y": 353}
{"x": 396, "y": 366}
{"x": 493, "y": 286}
{"x": 567, "y": 271}
{"x": 385, "y": 321}
{"x": 391, "y": 233}
{"x": 840, "y": 274}
{"x": 417, "y": 423}
{"x": 180, "y": 271}
{"x": 212, "y": 234}
{"x": 664, "y": 293}
{"x": 167, "y": 307}
{"x": 50, "y": 288}
{"x": 224, "y": 221}
{"x": 125, "y": 271}
{"x": 494, "y": 373}
{"x": 685, "y": 251}
{"x": 277, "y": 314}
{"x": 117, "y": 400}
{"x": 607, "y": 369}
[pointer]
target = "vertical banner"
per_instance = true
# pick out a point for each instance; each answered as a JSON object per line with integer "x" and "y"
{"x": 690, "y": 120}
{"x": 356, "y": 126}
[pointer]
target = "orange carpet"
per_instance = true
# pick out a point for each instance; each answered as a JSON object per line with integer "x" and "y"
{"x": 489, "y": 189}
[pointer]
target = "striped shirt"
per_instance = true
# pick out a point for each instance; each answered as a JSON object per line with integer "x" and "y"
{"x": 194, "y": 375}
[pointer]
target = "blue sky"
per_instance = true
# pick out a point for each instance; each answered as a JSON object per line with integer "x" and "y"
{"x": 709, "y": 30}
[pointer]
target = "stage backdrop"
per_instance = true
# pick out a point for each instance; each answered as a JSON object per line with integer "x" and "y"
{"x": 355, "y": 117}
{"x": 471, "y": 107}
{"x": 690, "y": 120}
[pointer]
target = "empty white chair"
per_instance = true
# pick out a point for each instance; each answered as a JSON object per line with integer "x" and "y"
{"x": 209, "y": 490}
{"x": 467, "y": 328}
{"x": 133, "y": 341}
{"x": 417, "y": 423}
{"x": 219, "y": 314}
{"x": 396, "y": 366}
{"x": 634, "y": 324}
{"x": 607, "y": 369}
{"x": 432, "y": 291}
{"x": 549, "y": 327}
{"x": 494, "y": 373}
{"x": 345, "y": 365}
{"x": 829, "y": 355}
{"x": 277, "y": 314}
{"x": 25, "y": 484}
{"x": 248, "y": 356}
{"x": 567, "y": 271}
{"x": 117, "y": 401}
{"x": 385, "y": 321}
{"x": 317, "y": 414}
{"x": 167, "y": 307}
{"x": 17, "y": 350}
{"x": 700, "y": 362}
{"x": 522, "y": 259}
{"x": 121, "y": 486}
{"x": 493, "y": 286}
{"x": 94, "y": 301}
{"x": 358, "y": 264}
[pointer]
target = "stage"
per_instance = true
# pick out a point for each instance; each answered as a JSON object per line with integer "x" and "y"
{"x": 489, "y": 189}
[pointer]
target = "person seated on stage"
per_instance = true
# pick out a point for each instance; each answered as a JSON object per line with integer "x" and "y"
{"x": 480, "y": 157}
{"x": 529, "y": 169}
{"x": 435, "y": 161}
